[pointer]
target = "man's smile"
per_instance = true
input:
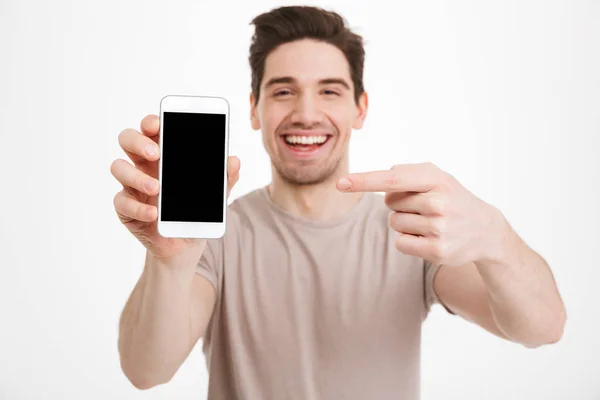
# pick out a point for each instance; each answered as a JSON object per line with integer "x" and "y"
{"x": 306, "y": 145}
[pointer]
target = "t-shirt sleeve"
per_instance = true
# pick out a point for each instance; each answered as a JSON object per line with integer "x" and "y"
{"x": 210, "y": 264}
{"x": 431, "y": 297}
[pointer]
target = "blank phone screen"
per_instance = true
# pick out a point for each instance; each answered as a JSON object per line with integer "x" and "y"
{"x": 193, "y": 157}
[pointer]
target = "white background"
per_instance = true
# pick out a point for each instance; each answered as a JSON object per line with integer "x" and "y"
{"x": 505, "y": 95}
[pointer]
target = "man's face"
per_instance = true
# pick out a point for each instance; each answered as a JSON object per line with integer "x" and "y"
{"x": 306, "y": 110}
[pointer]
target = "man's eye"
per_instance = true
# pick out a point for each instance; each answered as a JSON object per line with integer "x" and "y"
{"x": 282, "y": 93}
{"x": 331, "y": 92}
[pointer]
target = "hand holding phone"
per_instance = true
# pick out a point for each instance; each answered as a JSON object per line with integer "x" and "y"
{"x": 137, "y": 203}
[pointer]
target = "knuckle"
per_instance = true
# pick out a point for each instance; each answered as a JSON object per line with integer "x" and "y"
{"x": 117, "y": 199}
{"x": 396, "y": 220}
{"x": 131, "y": 140}
{"x": 438, "y": 204}
{"x": 149, "y": 118}
{"x": 439, "y": 251}
{"x": 391, "y": 181}
{"x": 149, "y": 125}
{"x": 438, "y": 227}
{"x": 114, "y": 167}
{"x": 117, "y": 167}
{"x": 399, "y": 244}
{"x": 120, "y": 202}
{"x": 431, "y": 165}
{"x": 146, "y": 120}
{"x": 139, "y": 212}
{"x": 447, "y": 182}
{"x": 138, "y": 182}
{"x": 393, "y": 198}
{"x": 388, "y": 200}
{"x": 124, "y": 134}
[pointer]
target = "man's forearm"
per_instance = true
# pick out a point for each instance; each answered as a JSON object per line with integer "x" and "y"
{"x": 523, "y": 297}
{"x": 154, "y": 331}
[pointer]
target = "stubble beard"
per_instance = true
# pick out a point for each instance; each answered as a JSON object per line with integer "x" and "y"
{"x": 304, "y": 174}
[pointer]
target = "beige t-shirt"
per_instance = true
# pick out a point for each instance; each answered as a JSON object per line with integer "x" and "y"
{"x": 314, "y": 310}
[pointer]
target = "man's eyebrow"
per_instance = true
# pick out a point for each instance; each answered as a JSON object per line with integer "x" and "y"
{"x": 282, "y": 79}
{"x": 339, "y": 81}
{"x": 289, "y": 79}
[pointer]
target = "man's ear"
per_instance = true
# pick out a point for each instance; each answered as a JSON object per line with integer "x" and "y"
{"x": 253, "y": 116}
{"x": 362, "y": 107}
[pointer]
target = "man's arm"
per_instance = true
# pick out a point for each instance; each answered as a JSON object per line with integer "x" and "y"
{"x": 443, "y": 222}
{"x": 512, "y": 295}
{"x": 166, "y": 314}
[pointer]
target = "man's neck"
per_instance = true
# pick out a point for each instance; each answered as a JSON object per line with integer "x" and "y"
{"x": 318, "y": 202}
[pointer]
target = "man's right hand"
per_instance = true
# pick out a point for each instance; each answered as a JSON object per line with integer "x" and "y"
{"x": 136, "y": 204}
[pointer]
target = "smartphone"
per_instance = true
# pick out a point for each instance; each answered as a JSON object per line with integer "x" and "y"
{"x": 194, "y": 141}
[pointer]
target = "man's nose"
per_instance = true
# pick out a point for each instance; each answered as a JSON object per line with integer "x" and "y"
{"x": 306, "y": 111}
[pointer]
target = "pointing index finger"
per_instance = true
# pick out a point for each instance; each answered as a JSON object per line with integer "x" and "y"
{"x": 397, "y": 180}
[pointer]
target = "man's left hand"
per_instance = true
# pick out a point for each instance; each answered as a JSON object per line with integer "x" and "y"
{"x": 438, "y": 218}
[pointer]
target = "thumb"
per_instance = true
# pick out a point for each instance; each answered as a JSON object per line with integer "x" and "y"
{"x": 233, "y": 172}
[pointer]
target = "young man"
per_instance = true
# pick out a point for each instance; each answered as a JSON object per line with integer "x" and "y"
{"x": 319, "y": 287}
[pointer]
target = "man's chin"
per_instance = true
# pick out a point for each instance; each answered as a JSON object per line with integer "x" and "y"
{"x": 306, "y": 176}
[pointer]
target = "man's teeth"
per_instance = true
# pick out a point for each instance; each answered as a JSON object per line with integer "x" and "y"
{"x": 305, "y": 139}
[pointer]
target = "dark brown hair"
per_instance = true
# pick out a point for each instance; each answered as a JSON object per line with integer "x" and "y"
{"x": 288, "y": 24}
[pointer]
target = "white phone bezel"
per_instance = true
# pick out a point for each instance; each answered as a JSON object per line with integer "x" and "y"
{"x": 194, "y": 104}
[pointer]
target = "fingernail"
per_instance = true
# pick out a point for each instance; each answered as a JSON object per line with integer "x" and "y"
{"x": 150, "y": 149}
{"x": 344, "y": 184}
